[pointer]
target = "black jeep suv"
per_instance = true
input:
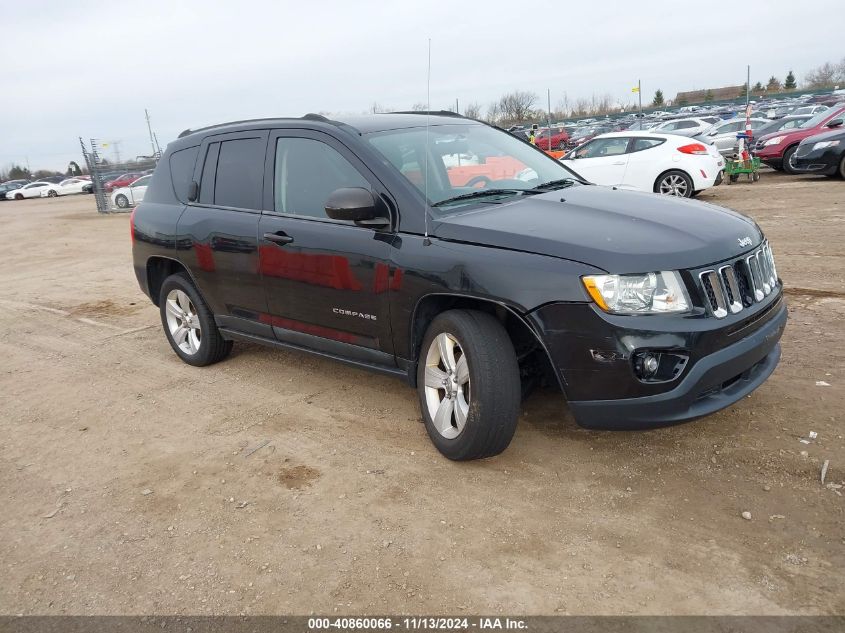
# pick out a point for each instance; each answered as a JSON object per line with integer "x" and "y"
{"x": 462, "y": 259}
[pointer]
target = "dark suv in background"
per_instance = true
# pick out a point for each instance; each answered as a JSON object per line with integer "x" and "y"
{"x": 465, "y": 261}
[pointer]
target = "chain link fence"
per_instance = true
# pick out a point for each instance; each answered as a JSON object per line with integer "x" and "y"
{"x": 108, "y": 176}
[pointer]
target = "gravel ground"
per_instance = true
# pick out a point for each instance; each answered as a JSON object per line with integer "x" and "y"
{"x": 281, "y": 483}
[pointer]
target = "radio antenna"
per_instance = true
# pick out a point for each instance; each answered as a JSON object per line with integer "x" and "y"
{"x": 427, "y": 241}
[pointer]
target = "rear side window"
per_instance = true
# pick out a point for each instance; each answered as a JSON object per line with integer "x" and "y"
{"x": 240, "y": 173}
{"x": 645, "y": 143}
{"x": 181, "y": 171}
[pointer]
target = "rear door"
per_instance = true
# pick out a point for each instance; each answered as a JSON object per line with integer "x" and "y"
{"x": 218, "y": 233}
{"x": 603, "y": 160}
{"x": 327, "y": 281}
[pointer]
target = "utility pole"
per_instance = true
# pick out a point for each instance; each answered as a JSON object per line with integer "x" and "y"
{"x": 640, "y": 95}
{"x": 549, "y": 114}
{"x": 116, "y": 151}
{"x": 150, "y": 130}
{"x": 457, "y": 111}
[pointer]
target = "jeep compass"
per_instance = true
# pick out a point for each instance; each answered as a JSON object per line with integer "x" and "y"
{"x": 463, "y": 260}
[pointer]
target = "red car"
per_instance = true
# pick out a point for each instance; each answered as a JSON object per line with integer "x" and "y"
{"x": 558, "y": 139}
{"x": 122, "y": 181}
{"x": 776, "y": 149}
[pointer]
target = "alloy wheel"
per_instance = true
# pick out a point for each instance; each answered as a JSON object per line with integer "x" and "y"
{"x": 674, "y": 185}
{"x": 447, "y": 385}
{"x": 183, "y": 321}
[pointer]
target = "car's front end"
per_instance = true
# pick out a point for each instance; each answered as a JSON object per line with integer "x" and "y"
{"x": 628, "y": 361}
{"x": 820, "y": 154}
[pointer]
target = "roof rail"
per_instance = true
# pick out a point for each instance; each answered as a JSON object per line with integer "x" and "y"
{"x": 309, "y": 117}
{"x": 431, "y": 112}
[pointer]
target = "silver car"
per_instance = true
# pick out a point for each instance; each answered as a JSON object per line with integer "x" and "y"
{"x": 723, "y": 135}
{"x": 691, "y": 126}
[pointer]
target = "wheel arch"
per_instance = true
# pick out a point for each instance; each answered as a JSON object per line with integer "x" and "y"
{"x": 531, "y": 350}
{"x": 160, "y": 268}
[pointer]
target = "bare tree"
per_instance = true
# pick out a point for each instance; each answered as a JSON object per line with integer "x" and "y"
{"x": 473, "y": 110}
{"x": 823, "y": 76}
{"x": 494, "y": 113}
{"x": 516, "y": 106}
{"x": 419, "y": 107}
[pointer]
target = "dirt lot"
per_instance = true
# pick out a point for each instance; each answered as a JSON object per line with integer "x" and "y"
{"x": 131, "y": 483}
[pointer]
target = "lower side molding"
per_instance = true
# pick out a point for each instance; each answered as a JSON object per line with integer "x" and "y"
{"x": 234, "y": 335}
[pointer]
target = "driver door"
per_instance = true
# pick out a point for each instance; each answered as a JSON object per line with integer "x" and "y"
{"x": 603, "y": 161}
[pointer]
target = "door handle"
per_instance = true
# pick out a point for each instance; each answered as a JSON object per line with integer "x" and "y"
{"x": 619, "y": 162}
{"x": 279, "y": 237}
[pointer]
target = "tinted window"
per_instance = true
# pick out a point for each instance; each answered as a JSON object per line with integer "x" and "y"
{"x": 603, "y": 147}
{"x": 240, "y": 171}
{"x": 182, "y": 171}
{"x": 307, "y": 172}
{"x": 683, "y": 125}
{"x": 645, "y": 143}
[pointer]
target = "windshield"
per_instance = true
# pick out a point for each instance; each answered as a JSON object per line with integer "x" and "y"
{"x": 814, "y": 121}
{"x": 467, "y": 159}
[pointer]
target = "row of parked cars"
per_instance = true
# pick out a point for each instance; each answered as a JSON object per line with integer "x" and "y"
{"x": 126, "y": 189}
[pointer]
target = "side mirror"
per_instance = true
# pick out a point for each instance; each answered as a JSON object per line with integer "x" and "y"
{"x": 835, "y": 123}
{"x": 354, "y": 204}
{"x": 193, "y": 191}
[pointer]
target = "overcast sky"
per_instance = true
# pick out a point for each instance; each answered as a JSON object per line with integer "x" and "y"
{"x": 89, "y": 68}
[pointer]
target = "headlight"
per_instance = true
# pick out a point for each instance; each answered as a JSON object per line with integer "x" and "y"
{"x": 774, "y": 141}
{"x": 823, "y": 144}
{"x": 649, "y": 293}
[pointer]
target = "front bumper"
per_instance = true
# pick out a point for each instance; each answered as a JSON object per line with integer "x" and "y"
{"x": 816, "y": 162}
{"x": 725, "y": 365}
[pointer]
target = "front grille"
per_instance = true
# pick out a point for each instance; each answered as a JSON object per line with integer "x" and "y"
{"x": 738, "y": 285}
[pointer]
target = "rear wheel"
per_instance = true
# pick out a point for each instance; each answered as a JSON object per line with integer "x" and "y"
{"x": 674, "y": 183}
{"x": 189, "y": 324}
{"x": 469, "y": 386}
{"x": 787, "y": 160}
{"x": 842, "y": 167}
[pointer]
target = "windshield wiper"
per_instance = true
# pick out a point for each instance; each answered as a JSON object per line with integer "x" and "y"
{"x": 563, "y": 183}
{"x": 481, "y": 193}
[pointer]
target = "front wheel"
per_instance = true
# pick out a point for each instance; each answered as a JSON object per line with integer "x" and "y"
{"x": 787, "y": 160}
{"x": 52, "y": 193}
{"x": 674, "y": 183}
{"x": 122, "y": 201}
{"x": 189, "y": 324}
{"x": 469, "y": 385}
{"x": 842, "y": 167}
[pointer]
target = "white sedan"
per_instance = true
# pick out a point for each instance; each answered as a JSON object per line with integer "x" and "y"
{"x": 126, "y": 197}
{"x": 64, "y": 188}
{"x": 32, "y": 190}
{"x": 647, "y": 161}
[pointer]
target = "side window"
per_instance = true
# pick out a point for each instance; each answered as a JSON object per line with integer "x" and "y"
{"x": 646, "y": 143}
{"x": 669, "y": 127}
{"x": 182, "y": 170}
{"x": 307, "y": 171}
{"x": 141, "y": 182}
{"x": 604, "y": 147}
{"x": 685, "y": 125}
{"x": 240, "y": 173}
{"x": 209, "y": 168}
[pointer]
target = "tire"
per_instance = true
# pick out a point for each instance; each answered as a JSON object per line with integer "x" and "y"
{"x": 122, "y": 202}
{"x": 842, "y": 167}
{"x": 674, "y": 183}
{"x": 52, "y": 193}
{"x": 489, "y": 409}
{"x": 202, "y": 345}
{"x": 18, "y": 196}
{"x": 787, "y": 155}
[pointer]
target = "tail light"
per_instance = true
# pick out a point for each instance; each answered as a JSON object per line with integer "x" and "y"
{"x": 132, "y": 225}
{"x": 693, "y": 148}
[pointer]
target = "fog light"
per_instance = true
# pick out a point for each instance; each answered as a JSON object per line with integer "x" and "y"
{"x": 662, "y": 366}
{"x": 650, "y": 364}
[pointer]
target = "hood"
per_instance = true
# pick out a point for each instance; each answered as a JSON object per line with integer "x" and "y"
{"x": 833, "y": 135}
{"x": 615, "y": 230}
